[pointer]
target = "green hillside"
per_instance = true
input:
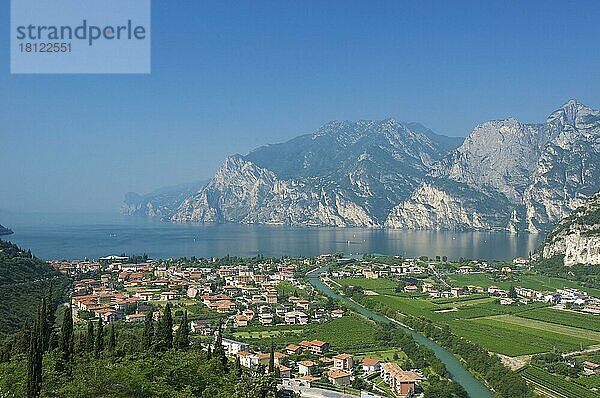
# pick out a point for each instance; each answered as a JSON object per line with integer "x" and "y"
{"x": 23, "y": 281}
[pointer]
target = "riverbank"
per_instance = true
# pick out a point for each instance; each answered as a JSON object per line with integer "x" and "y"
{"x": 457, "y": 372}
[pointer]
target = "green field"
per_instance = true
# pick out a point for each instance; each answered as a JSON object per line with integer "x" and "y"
{"x": 479, "y": 307}
{"x": 556, "y": 385}
{"x": 352, "y": 333}
{"x": 514, "y": 340}
{"x": 563, "y": 317}
{"x": 550, "y": 327}
{"x": 378, "y": 285}
{"x": 528, "y": 280}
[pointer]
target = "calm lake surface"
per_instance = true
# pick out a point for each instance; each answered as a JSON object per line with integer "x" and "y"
{"x": 78, "y": 236}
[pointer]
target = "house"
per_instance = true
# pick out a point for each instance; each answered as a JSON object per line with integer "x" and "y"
{"x": 343, "y": 362}
{"x": 135, "y": 318}
{"x": 303, "y": 305}
{"x": 280, "y": 358}
{"x": 506, "y": 301}
{"x": 252, "y": 361}
{"x": 411, "y": 289}
{"x": 296, "y": 318}
{"x": 493, "y": 289}
{"x": 591, "y": 368}
{"x": 284, "y": 372}
{"x": 232, "y": 347}
{"x": 520, "y": 261}
{"x": 371, "y": 365}
{"x": 241, "y": 320}
{"x": 401, "y": 382}
{"x": 339, "y": 377}
{"x": 170, "y": 295}
{"x": 293, "y": 349}
{"x": 306, "y": 368}
{"x": 337, "y": 313}
{"x": 316, "y": 347}
{"x": 265, "y": 319}
{"x": 456, "y": 291}
{"x": 465, "y": 269}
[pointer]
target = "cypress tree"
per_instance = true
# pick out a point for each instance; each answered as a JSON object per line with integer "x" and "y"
{"x": 148, "y": 335}
{"x": 99, "y": 346}
{"x": 66, "y": 336}
{"x": 219, "y": 351}
{"x": 272, "y": 359}
{"x": 35, "y": 358}
{"x": 43, "y": 324}
{"x": 90, "y": 337}
{"x": 168, "y": 325}
{"x": 50, "y": 320}
{"x": 182, "y": 336}
{"x": 238, "y": 367}
{"x": 112, "y": 338}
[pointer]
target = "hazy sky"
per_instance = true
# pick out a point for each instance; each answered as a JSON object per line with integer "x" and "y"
{"x": 229, "y": 76}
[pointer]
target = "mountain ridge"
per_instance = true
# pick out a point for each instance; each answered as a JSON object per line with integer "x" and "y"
{"x": 506, "y": 175}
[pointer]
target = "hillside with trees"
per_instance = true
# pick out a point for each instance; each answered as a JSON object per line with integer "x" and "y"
{"x": 24, "y": 280}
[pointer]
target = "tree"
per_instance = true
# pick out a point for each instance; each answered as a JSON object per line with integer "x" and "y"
{"x": 90, "y": 337}
{"x": 148, "y": 335}
{"x": 219, "y": 351}
{"x": 66, "y": 342}
{"x": 35, "y": 356}
{"x": 512, "y": 293}
{"x": 99, "y": 346}
{"x": 167, "y": 324}
{"x": 182, "y": 336}
{"x": 112, "y": 338}
{"x": 272, "y": 358}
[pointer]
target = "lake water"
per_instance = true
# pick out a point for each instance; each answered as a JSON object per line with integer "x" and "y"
{"x": 78, "y": 236}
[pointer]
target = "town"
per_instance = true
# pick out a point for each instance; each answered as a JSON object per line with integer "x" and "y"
{"x": 272, "y": 314}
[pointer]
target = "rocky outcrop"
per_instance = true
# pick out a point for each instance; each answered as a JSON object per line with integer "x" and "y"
{"x": 577, "y": 237}
{"x": 5, "y": 231}
{"x": 161, "y": 203}
{"x": 505, "y": 176}
{"x": 512, "y": 176}
{"x": 345, "y": 174}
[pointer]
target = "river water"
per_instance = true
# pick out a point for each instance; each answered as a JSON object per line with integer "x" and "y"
{"x": 457, "y": 371}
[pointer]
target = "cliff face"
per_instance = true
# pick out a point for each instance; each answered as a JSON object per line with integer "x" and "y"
{"x": 577, "y": 237}
{"x": 161, "y": 203}
{"x": 346, "y": 174}
{"x": 511, "y": 176}
{"x": 505, "y": 176}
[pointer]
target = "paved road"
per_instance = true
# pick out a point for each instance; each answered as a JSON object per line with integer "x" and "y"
{"x": 307, "y": 392}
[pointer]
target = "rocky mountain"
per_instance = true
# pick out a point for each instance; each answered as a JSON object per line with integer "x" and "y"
{"x": 510, "y": 176}
{"x": 345, "y": 174}
{"x": 505, "y": 176}
{"x": 577, "y": 237}
{"x": 161, "y": 203}
{"x": 5, "y": 231}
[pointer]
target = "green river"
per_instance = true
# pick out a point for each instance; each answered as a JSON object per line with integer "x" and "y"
{"x": 457, "y": 371}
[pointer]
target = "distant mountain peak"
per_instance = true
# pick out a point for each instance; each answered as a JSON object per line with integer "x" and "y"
{"x": 571, "y": 113}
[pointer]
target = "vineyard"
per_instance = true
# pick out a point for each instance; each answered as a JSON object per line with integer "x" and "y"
{"x": 555, "y": 385}
{"x": 561, "y": 317}
{"x": 514, "y": 340}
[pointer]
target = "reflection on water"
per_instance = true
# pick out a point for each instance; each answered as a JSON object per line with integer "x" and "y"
{"x": 73, "y": 236}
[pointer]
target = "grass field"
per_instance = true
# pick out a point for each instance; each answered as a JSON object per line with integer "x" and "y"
{"x": 514, "y": 340}
{"x": 563, "y": 317}
{"x": 555, "y": 385}
{"x": 352, "y": 333}
{"x": 380, "y": 285}
{"x": 550, "y": 327}
{"x": 528, "y": 280}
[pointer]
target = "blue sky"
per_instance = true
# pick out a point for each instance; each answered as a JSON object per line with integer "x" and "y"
{"x": 229, "y": 76}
